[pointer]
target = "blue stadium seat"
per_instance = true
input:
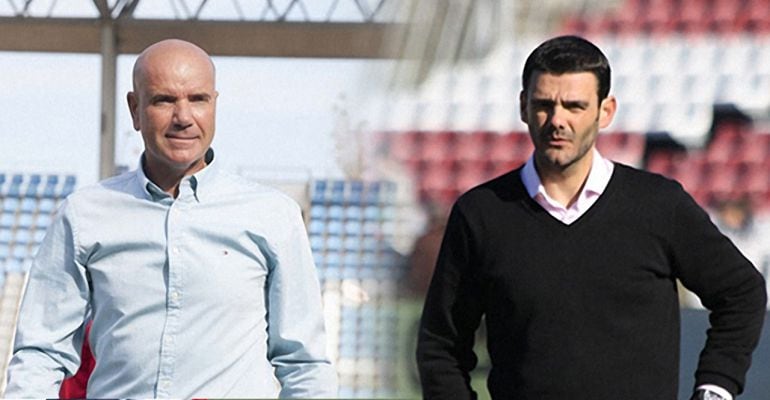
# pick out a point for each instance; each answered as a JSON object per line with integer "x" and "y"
{"x": 334, "y": 228}
{"x": 335, "y": 212}
{"x": 351, "y": 243}
{"x": 5, "y": 235}
{"x": 317, "y": 212}
{"x": 28, "y": 205}
{"x": 20, "y": 251}
{"x": 333, "y": 272}
{"x": 318, "y": 192}
{"x": 69, "y": 185}
{"x": 372, "y": 194}
{"x": 32, "y": 186}
{"x": 355, "y": 196}
{"x": 318, "y": 259}
{"x": 15, "y": 188}
{"x": 39, "y": 235}
{"x": 333, "y": 243}
{"x": 337, "y": 194}
{"x": 351, "y": 273}
{"x": 43, "y": 221}
{"x": 351, "y": 260}
{"x": 23, "y": 237}
{"x": 7, "y": 219}
{"x": 47, "y": 205}
{"x": 347, "y": 346}
{"x": 25, "y": 221}
{"x": 316, "y": 227}
{"x": 10, "y": 204}
{"x": 14, "y": 265}
{"x": 332, "y": 259}
{"x": 371, "y": 228}
{"x": 372, "y": 212}
{"x": 353, "y": 211}
{"x": 316, "y": 243}
{"x": 353, "y": 228}
{"x": 369, "y": 244}
{"x": 49, "y": 191}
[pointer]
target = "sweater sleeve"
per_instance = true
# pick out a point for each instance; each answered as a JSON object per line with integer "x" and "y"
{"x": 728, "y": 285}
{"x": 451, "y": 315}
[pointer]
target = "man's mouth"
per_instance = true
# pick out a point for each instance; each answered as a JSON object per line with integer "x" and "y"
{"x": 558, "y": 141}
{"x": 181, "y": 137}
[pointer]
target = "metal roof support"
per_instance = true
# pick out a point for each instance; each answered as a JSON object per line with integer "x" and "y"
{"x": 109, "y": 73}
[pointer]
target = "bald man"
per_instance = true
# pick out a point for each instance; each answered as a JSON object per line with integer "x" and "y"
{"x": 199, "y": 283}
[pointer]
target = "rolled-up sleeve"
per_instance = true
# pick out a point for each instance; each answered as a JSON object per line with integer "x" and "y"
{"x": 50, "y": 327}
{"x": 296, "y": 333}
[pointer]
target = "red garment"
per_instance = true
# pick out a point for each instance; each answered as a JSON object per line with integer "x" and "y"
{"x": 75, "y": 386}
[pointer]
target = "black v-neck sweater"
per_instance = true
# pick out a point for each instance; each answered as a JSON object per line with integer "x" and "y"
{"x": 590, "y": 309}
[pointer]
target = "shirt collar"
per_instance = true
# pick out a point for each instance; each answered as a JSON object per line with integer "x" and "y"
{"x": 598, "y": 177}
{"x": 199, "y": 182}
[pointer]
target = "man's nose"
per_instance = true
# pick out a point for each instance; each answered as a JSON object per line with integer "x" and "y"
{"x": 557, "y": 118}
{"x": 182, "y": 115}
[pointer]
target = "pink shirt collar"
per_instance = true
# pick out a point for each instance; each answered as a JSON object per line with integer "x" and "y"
{"x": 598, "y": 178}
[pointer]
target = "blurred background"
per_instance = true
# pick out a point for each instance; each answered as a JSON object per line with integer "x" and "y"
{"x": 375, "y": 115}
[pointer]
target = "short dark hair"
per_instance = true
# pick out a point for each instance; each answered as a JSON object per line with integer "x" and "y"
{"x": 564, "y": 54}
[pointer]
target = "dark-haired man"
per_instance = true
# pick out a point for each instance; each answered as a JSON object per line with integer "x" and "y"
{"x": 573, "y": 260}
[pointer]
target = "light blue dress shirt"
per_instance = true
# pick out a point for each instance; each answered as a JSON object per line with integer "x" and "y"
{"x": 211, "y": 294}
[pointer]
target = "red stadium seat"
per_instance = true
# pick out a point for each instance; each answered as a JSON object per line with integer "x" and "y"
{"x": 470, "y": 174}
{"x": 403, "y": 146}
{"x": 436, "y": 146}
{"x": 472, "y": 146}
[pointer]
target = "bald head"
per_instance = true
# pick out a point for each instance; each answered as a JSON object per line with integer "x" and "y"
{"x": 173, "y": 105}
{"x": 170, "y": 53}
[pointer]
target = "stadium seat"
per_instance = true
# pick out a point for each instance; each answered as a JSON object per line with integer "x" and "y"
{"x": 472, "y": 146}
{"x": 50, "y": 186}
{"x": 7, "y": 219}
{"x": 32, "y": 186}
{"x": 69, "y": 186}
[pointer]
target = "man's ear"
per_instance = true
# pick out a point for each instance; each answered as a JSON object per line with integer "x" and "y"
{"x": 523, "y": 107}
{"x": 607, "y": 110}
{"x": 133, "y": 108}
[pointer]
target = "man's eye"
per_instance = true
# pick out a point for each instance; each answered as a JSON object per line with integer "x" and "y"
{"x": 162, "y": 100}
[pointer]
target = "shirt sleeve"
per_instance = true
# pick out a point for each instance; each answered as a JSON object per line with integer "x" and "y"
{"x": 296, "y": 332}
{"x": 50, "y": 327}
{"x": 728, "y": 285}
{"x": 451, "y": 315}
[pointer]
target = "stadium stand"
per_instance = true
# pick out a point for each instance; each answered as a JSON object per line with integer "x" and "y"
{"x": 351, "y": 226}
{"x": 28, "y": 202}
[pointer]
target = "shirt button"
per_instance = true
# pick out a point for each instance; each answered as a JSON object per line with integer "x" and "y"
{"x": 174, "y": 295}
{"x": 168, "y": 340}
{"x": 176, "y": 250}
{"x": 165, "y": 383}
